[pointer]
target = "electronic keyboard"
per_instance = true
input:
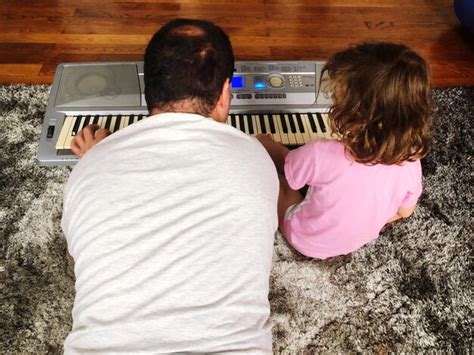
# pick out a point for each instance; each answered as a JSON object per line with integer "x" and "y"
{"x": 278, "y": 98}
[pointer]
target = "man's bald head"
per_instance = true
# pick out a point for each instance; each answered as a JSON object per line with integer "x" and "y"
{"x": 187, "y": 60}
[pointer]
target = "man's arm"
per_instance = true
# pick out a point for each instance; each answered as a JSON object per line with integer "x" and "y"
{"x": 87, "y": 138}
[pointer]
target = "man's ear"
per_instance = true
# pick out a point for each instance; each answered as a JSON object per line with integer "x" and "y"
{"x": 221, "y": 111}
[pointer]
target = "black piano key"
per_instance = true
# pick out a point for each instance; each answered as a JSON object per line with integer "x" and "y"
{"x": 321, "y": 122}
{"x": 242, "y": 123}
{"x": 292, "y": 124}
{"x": 117, "y": 123}
{"x": 108, "y": 122}
{"x": 96, "y": 119}
{"x": 283, "y": 124}
{"x": 130, "y": 119}
{"x": 77, "y": 122}
{"x": 140, "y": 117}
{"x": 87, "y": 121}
{"x": 312, "y": 123}
{"x": 232, "y": 120}
{"x": 262, "y": 124}
{"x": 300, "y": 122}
{"x": 272, "y": 124}
{"x": 250, "y": 124}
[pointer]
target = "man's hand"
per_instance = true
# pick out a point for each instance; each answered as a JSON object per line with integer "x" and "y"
{"x": 87, "y": 138}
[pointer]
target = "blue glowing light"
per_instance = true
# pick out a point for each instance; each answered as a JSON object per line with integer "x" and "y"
{"x": 259, "y": 85}
{"x": 237, "y": 82}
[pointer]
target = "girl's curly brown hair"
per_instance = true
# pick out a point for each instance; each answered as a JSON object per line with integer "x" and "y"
{"x": 382, "y": 105}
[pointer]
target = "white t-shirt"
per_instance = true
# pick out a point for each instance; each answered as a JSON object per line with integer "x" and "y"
{"x": 171, "y": 223}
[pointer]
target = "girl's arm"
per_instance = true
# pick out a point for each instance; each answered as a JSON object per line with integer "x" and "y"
{"x": 403, "y": 212}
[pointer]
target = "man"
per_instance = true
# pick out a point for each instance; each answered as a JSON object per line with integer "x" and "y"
{"x": 171, "y": 220}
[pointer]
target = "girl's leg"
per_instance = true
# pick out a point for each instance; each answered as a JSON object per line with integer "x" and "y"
{"x": 286, "y": 198}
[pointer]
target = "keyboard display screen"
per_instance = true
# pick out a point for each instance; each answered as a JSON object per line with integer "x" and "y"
{"x": 237, "y": 82}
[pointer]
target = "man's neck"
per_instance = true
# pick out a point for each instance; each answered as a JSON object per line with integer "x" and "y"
{"x": 184, "y": 106}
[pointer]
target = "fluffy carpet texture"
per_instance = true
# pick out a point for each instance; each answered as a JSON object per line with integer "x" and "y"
{"x": 409, "y": 291}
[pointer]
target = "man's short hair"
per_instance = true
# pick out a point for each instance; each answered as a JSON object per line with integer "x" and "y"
{"x": 187, "y": 60}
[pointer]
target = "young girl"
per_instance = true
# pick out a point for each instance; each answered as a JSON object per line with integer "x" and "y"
{"x": 371, "y": 174}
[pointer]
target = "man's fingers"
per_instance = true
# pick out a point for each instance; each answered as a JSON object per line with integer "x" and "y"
{"x": 101, "y": 134}
{"x": 75, "y": 148}
{"x": 89, "y": 132}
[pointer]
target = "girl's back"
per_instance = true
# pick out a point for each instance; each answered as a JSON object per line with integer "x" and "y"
{"x": 347, "y": 202}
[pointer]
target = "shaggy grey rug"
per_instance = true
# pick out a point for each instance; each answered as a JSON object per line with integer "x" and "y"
{"x": 409, "y": 291}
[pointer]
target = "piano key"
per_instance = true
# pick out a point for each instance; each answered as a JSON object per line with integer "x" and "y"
{"x": 232, "y": 120}
{"x": 248, "y": 119}
{"x": 306, "y": 136}
{"x": 130, "y": 120}
{"x": 263, "y": 128}
{"x": 242, "y": 124}
{"x": 229, "y": 118}
{"x": 272, "y": 124}
{"x": 237, "y": 122}
{"x": 275, "y": 133}
{"x": 96, "y": 119}
{"x": 298, "y": 135}
{"x": 291, "y": 135}
{"x": 312, "y": 122}
{"x": 328, "y": 134}
{"x": 86, "y": 122}
{"x": 256, "y": 122}
{"x": 321, "y": 122}
{"x": 283, "y": 136}
{"x": 283, "y": 124}
{"x": 309, "y": 130}
{"x": 291, "y": 122}
{"x": 108, "y": 122}
{"x": 77, "y": 122}
{"x": 140, "y": 117}
{"x": 300, "y": 122}
{"x": 69, "y": 121}
{"x": 117, "y": 121}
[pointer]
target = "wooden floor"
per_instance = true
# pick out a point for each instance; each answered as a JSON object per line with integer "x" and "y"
{"x": 37, "y": 35}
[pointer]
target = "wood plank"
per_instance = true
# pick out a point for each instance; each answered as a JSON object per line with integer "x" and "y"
{"x": 36, "y": 36}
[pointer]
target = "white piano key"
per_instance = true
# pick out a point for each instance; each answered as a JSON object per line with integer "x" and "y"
{"x": 246, "y": 124}
{"x": 237, "y": 122}
{"x": 307, "y": 126}
{"x": 65, "y": 131}
{"x": 283, "y": 136}
{"x": 298, "y": 134}
{"x": 256, "y": 122}
{"x": 275, "y": 136}
{"x": 306, "y": 135}
{"x": 124, "y": 121}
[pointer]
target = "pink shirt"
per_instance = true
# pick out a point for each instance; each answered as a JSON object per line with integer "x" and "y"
{"x": 347, "y": 203}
